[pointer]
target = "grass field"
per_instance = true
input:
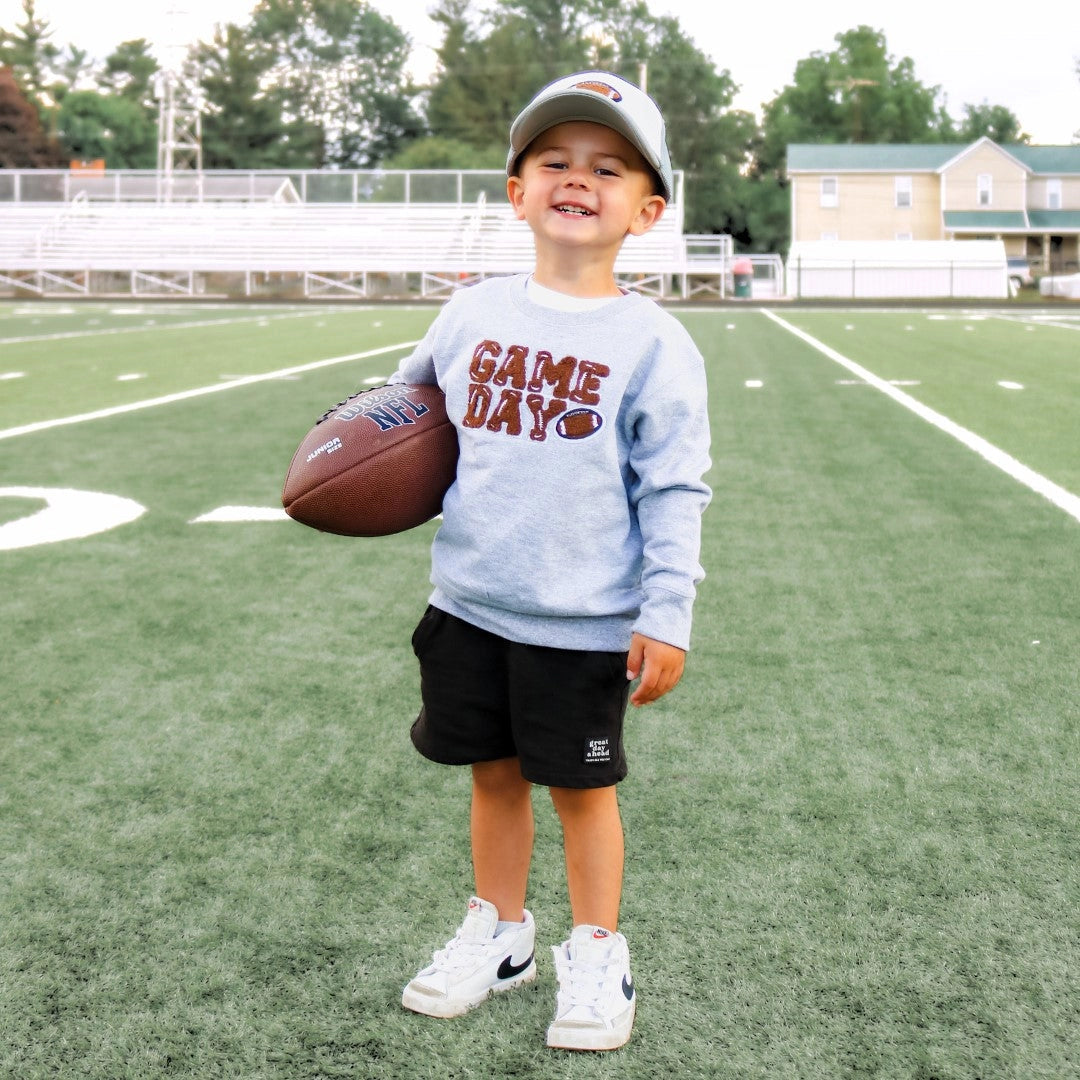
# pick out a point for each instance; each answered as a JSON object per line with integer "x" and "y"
{"x": 852, "y": 832}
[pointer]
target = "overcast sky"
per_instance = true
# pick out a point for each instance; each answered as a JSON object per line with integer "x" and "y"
{"x": 1022, "y": 57}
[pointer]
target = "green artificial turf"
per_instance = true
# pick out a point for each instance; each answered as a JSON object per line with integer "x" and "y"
{"x": 851, "y": 830}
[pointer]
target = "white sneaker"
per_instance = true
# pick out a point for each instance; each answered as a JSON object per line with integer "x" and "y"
{"x": 596, "y": 1003}
{"x": 474, "y": 964}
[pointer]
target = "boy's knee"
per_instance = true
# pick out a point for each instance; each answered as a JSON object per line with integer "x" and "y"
{"x": 500, "y": 777}
{"x": 571, "y": 802}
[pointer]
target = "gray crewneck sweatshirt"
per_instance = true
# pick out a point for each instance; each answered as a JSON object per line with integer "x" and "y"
{"x": 575, "y": 517}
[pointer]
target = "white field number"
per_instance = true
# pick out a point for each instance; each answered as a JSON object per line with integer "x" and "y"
{"x": 70, "y": 514}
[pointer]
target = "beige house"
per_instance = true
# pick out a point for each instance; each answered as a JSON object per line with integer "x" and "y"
{"x": 1026, "y": 196}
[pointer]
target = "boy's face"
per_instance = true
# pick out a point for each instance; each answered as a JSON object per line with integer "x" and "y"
{"x": 581, "y": 184}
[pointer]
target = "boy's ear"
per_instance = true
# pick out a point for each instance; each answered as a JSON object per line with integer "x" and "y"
{"x": 515, "y": 192}
{"x": 652, "y": 207}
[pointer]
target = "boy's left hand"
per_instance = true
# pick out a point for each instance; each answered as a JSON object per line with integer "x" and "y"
{"x": 660, "y": 666}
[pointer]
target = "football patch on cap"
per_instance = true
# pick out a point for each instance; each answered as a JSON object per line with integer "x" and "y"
{"x": 600, "y": 88}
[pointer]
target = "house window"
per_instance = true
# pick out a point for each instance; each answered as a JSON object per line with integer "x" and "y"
{"x": 904, "y": 236}
{"x": 829, "y": 189}
{"x": 985, "y": 187}
{"x": 830, "y": 237}
{"x": 902, "y": 187}
{"x": 1053, "y": 194}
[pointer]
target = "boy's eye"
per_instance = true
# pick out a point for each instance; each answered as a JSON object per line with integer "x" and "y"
{"x": 561, "y": 165}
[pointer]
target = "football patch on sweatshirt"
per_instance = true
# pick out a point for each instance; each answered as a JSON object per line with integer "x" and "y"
{"x": 579, "y": 423}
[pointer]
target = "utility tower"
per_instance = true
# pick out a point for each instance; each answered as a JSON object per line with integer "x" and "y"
{"x": 179, "y": 119}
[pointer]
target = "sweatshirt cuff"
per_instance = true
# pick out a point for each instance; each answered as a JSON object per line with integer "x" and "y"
{"x": 666, "y": 616}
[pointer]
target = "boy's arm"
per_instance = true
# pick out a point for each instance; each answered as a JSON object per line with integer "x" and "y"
{"x": 660, "y": 666}
{"x": 669, "y": 456}
{"x": 419, "y": 365}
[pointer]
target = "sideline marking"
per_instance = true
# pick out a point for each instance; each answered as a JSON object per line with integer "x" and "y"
{"x": 1064, "y": 500}
{"x": 200, "y": 391}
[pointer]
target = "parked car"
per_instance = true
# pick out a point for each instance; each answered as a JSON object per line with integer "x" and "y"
{"x": 1020, "y": 275}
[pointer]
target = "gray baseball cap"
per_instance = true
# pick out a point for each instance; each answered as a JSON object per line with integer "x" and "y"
{"x": 602, "y": 98}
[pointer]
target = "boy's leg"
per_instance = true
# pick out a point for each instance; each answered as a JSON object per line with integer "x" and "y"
{"x": 502, "y": 835}
{"x": 480, "y": 960}
{"x": 593, "y": 844}
{"x": 597, "y": 999}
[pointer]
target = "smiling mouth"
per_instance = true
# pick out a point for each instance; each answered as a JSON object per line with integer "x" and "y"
{"x": 574, "y": 211}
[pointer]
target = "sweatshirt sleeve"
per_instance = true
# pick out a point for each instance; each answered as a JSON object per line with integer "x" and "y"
{"x": 669, "y": 456}
{"x": 419, "y": 365}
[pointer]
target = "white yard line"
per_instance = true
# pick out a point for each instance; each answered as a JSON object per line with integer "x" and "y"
{"x": 200, "y": 391}
{"x": 1064, "y": 500}
{"x": 1057, "y": 322}
{"x": 156, "y": 327}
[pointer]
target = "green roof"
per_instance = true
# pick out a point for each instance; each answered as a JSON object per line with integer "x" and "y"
{"x": 1050, "y": 221}
{"x": 920, "y": 157}
{"x": 985, "y": 220}
{"x": 1054, "y": 220}
{"x": 1049, "y": 160}
{"x": 870, "y": 157}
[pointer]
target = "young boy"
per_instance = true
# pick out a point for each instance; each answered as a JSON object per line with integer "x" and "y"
{"x": 566, "y": 563}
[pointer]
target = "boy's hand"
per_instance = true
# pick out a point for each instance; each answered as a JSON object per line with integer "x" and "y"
{"x": 659, "y": 665}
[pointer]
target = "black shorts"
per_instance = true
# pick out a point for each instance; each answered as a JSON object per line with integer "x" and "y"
{"x": 559, "y": 711}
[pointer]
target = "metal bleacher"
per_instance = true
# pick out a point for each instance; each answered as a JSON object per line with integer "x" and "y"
{"x": 255, "y": 235}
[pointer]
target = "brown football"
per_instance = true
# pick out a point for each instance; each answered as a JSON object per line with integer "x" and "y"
{"x": 377, "y": 463}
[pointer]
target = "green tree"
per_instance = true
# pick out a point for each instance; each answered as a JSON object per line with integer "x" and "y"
{"x": 767, "y": 208}
{"x": 439, "y": 152}
{"x": 243, "y": 125}
{"x": 994, "y": 121}
{"x": 115, "y": 116}
{"x": 129, "y": 71}
{"x": 339, "y": 66}
{"x": 856, "y": 93}
{"x": 92, "y": 125}
{"x": 490, "y": 67}
{"x": 75, "y": 71}
{"x": 30, "y": 54}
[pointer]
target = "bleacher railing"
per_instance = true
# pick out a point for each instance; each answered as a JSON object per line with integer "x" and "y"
{"x": 360, "y": 233}
{"x": 446, "y": 186}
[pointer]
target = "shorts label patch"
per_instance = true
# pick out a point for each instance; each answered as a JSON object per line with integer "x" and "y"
{"x": 597, "y": 751}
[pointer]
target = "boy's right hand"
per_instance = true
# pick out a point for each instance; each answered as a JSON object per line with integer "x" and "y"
{"x": 660, "y": 666}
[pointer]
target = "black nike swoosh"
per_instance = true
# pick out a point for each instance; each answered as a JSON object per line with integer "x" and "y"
{"x": 628, "y": 988}
{"x": 507, "y": 969}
